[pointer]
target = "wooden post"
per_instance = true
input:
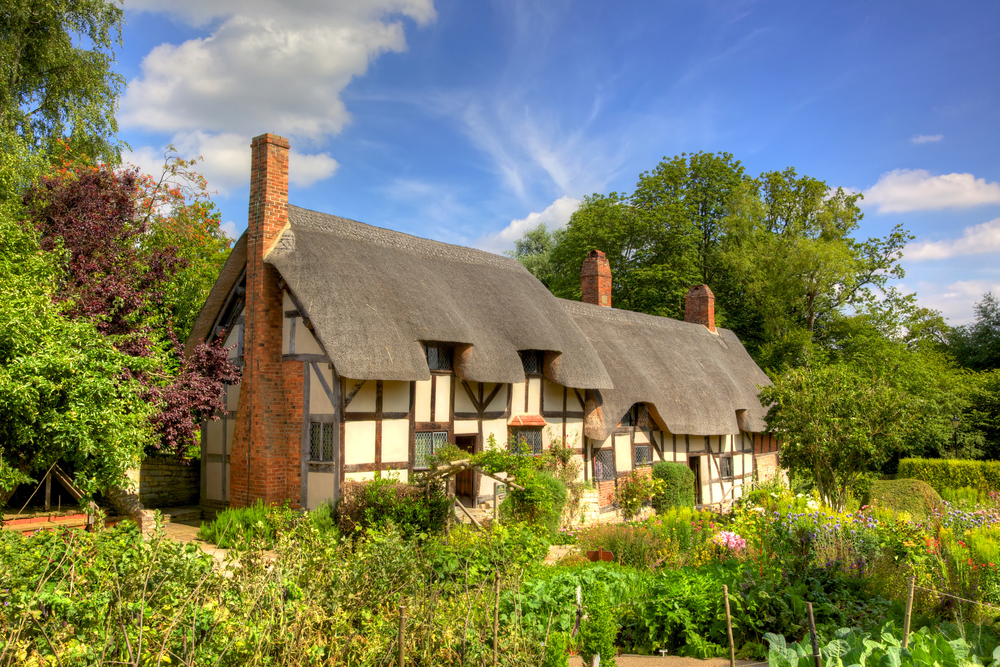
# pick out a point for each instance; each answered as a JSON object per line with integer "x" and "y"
{"x": 48, "y": 490}
{"x": 496, "y": 614}
{"x": 729, "y": 627}
{"x": 402, "y": 634}
{"x": 812, "y": 634}
{"x": 909, "y": 611}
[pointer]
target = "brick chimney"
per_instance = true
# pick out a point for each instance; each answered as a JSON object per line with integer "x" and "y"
{"x": 265, "y": 457}
{"x": 699, "y": 306}
{"x": 595, "y": 279}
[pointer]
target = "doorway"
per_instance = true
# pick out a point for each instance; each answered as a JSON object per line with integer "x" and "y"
{"x": 694, "y": 463}
{"x": 465, "y": 481}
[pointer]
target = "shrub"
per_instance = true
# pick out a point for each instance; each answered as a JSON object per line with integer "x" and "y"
{"x": 635, "y": 546}
{"x": 678, "y": 486}
{"x": 966, "y": 495}
{"x": 540, "y": 503}
{"x": 636, "y": 490}
{"x": 323, "y": 518}
{"x": 599, "y": 629}
{"x": 239, "y": 526}
{"x": 914, "y": 496}
{"x": 953, "y": 473}
{"x": 557, "y": 650}
{"x": 380, "y": 502}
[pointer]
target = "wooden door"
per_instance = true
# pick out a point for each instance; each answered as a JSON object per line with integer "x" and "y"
{"x": 465, "y": 480}
{"x": 695, "y": 463}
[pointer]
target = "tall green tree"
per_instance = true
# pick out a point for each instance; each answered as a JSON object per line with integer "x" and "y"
{"x": 534, "y": 250}
{"x": 977, "y": 345}
{"x": 56, "y": 76}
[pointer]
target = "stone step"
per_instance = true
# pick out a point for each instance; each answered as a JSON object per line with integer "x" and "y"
{"x": 186, "y": 514}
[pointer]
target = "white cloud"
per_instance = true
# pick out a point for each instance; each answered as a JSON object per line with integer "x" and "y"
{"x": 555, "y": 216}
{"x": 903, "y": 190}
{"x": 926, "y": 138}
{"x": 267, "y": 66}
{"x": 975, "y": 240}
{"x": 956, "y": 300}
{"x": 229, "y": 229}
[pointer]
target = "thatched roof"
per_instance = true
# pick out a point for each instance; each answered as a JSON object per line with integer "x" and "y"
{"x": 231, "y": 272}
{"x": 374, "y": 296}
{"x": 697, "y": 382}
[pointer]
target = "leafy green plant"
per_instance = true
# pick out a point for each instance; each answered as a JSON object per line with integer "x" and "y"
{"x": 383, "y": 501}
{"x": 240, "y": 526}
{"x": 556, "y": 650}
{"x": 953, "y": 473}
{"x": 678, "y": 486}
{"x": 635, "y": 491}
{"x": 599, "y": 628}
{"x": 926, "y": 649}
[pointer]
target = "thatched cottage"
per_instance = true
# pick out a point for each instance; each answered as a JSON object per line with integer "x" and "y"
{"x": 364, "y": 350}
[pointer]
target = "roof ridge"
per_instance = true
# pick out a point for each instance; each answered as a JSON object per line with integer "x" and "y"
{"x": 304, "y": 218}
{"x": 631, "y": 316}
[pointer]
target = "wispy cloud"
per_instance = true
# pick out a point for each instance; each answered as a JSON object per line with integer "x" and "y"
{"x": 956, "y": 300}
{"x": 926, "y": 138}
{"x": 975, "y": 240}
{"x": 903, "y": 190}
{"x": 556, "y": 215}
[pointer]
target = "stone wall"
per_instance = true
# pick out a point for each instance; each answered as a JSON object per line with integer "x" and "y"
{"x": 165, "y": 482}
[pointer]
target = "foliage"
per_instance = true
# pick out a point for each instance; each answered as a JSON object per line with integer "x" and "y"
{"x": 678, "y": 485}
{"x": 383, "y": 501}
{"x": 58, "y": 80}
{"x": 556, "y": 650}
{"x": 836, "y": 424}
{"x": 599, "y": 629}
{"x": 977, "y": 345}
{"x": 534, "y": 250}
{"x": 66, "y": 392}
{"x": 913, "y": 496}
{"x": 953, "y": 473}
{"x": 88, "y": 219}
{"x": 257, "y": 525}
{"x": 540, "y": 503}
{"x": 637, "y": 490}
{"x": 848, "y": 647}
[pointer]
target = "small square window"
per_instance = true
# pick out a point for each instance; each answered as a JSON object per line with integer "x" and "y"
{"x": 438, "y": 357}
{"x": 643, "y": 456}
{"x": 637, "y": 415}
{"x": 726, "y": 466}
{"x": 526, "y": 441}
{"x": 321, "y": 441}
{"x": 604, "y": 465}
{"x": 427, "y": 443}
{"x": 531, "y": 360}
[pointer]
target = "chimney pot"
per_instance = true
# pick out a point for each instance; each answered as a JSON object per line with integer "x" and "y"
{"x": 595, "y": 279}
{"x": 699, "y": 306}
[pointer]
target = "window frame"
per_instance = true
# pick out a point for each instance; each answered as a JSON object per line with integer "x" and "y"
{"x": 440, "y": 348}
{"x": 635, "y": 454}
{"x": 539, "y": 358}
{"x": 723, "y": 461}
{"x": 594, "y": 462}
{"x": 514, "y": 432}
{"x": 324, "y": 426}
{"x": 446, "y": 440}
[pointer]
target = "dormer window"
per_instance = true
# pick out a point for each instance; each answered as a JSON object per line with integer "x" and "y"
{"x": 438, "y": 357}
{"x": 637, "y": 415}
{"x": 531, "y": 360}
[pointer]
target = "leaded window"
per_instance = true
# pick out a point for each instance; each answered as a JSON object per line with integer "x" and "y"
{"x": 526, "y": 441}
{"x": 637, "y": 415}
{"x": 726, "y": 466}
{"x": 531, "y": 360}
{"x": 321, "y": 441}
{"x": 604, "y": 465}
{"x": 426, "y": 443}
{"x": 438, "y": 357}
{"x": 643, "y": 457}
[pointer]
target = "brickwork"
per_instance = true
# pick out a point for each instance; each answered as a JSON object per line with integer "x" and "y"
{"x": 764, "y": 443}
{"x": 699, "y": 306}
{"x": 767, "y": 466}
{"x": 606, "y": 493}
{"x": 265, "y": 461}
{"x": 166, "y": 482}
{"x": 595, "y": 279}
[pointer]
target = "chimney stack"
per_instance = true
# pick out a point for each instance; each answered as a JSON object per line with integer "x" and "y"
{"x": 268, "y": 191}
{"x": 595, "y": 279}
{"x": 699, "y": 306}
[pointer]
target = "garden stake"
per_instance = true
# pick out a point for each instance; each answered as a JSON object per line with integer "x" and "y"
{"x": 729, "y": 627}
{"x": 496, "y": 614}
{"x": 909, "y": 611}
{"x": 812, "y": 634}
{"x": 402, "y": 632}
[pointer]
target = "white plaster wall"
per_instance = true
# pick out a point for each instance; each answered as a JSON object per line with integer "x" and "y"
{"x": 395, "y": 396}
{"x": 359, "y": 442}
{"x": 462, "y": 401}
{"x": 422, "y": 404}
{"x": 364, "y": 400}
{"x": 395, "y": 440}
{"x": 517, "y": 398}
{"x": 319, "y": 402}
{"x": 466, "y": 427}
{"x": 214, "y": 473}
{"x": 499, "y": 402}
{"x": 574, "y": 432}
{"x": 552, "y": 399}
{"x": 442, "y": 402}
{"x": 623, "y": 454}
{"x": 320, "y": 488}
{"x": 214, "y": 443}
{"x": 535, "y": 396}
{"x": 358, "y": 476}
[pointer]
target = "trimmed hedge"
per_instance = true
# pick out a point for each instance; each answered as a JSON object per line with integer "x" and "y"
{"x": 678, "y": 488}
{"x": 914, "y": 496}
{"x": 952, "y": 473}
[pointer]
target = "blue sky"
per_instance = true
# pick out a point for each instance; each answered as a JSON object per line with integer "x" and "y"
{"x": 469, "y": 122}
